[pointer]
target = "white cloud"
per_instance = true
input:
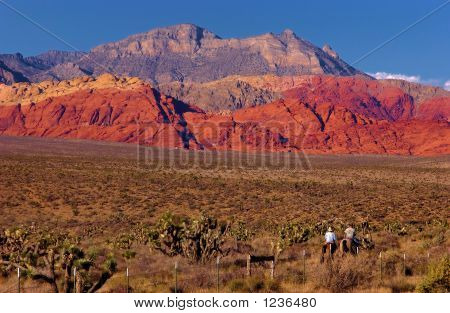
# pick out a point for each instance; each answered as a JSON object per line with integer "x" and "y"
{"x": 447, "y": 85}
{"x": 384, "y": 75}
{"x": 412, "y": 78}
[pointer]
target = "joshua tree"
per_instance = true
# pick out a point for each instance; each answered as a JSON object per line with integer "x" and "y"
{"x": 50, "y": 257}
{"x": 203, "y": 238}
{"x": 167, "y": 235}
{"x": 198, "y": 239}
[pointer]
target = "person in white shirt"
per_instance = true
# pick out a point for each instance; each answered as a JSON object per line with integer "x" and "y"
{"x": 330, "y": 240}
{"x": 350, "y": 240}
{"x": 349, "y": 233}
{"x": 330, "y": 236}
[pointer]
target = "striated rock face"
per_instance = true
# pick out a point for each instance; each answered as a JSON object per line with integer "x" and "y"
{"x": 26, "y": 93}
{"x": 186, "y": 53}
{"x": 321, "y": 115}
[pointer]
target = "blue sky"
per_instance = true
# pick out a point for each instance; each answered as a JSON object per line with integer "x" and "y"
{"x": 352, "y": 28}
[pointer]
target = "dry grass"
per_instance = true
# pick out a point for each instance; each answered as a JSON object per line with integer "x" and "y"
{"x": 97, "y": 191}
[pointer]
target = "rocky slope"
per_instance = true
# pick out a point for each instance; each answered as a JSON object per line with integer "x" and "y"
{"x": 324, "y": 114}
{"x": 419, "y": 92}
{"x": 227, "y": 94}
{"x": 187, "y": 53}
{"x": 235, "y": 92}
{"x": 9, "y": 76}
{"x": 49, "y": 65}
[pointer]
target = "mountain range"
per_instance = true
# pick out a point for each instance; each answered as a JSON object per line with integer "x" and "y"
{"x": 183, "y": 86}
{"x": 184, "y": 53}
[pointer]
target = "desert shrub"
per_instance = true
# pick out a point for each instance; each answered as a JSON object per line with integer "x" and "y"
{"x": 254, "y": 284}
{"x": 397, "y": 228}
{"x": 433, "y": 234}
{"x": 416, "y": 264}
{"x": 240, "y": 232}
{"x": 342, "y": 275}
{"x": 292, "y": 273}
{"x": 400, "y": 285}
{"x": 392, "y": 263}
{"x": 437, "y": 278}
{"x": 236, "y": 285}
{"x": 125, "y": 242}
{"x": 387, "y": 241}
{"x": 290, "y": 234}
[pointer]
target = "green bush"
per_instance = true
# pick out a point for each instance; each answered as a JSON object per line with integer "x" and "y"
{"x": 240, "y": 232}
{"x": 437, "y": 278}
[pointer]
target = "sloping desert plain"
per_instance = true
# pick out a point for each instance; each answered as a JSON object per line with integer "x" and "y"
{"x": 108, "y": 194}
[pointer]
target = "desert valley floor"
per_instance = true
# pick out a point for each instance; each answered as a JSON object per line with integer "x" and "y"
{"x": 100, "y": 191}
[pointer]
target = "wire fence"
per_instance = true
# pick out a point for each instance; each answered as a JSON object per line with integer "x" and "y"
{"x": 216, "y": 276}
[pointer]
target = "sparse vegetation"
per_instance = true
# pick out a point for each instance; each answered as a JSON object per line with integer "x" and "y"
{"x": 437, "y": 278}
{"x": 72, "y": 200}
{"x": 49, "y": 257}
{"x": 197, "y": 239}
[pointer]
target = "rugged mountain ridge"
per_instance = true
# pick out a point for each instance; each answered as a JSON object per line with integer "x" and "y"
{"x": 183, "y": 86}
{"x": 340, "y": 115}
{"x": 51, "y": 65}
{"x": 186, "y": 52}
{"x": 9, "y": 76}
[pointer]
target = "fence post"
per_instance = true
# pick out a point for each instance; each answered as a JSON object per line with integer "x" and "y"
{"x": 404, "y": 264}
{"x": 381, "y": 267}
{"x": 74, "y": 280}
{"x": 18, "y": 280}
{"x": 272, "y": 269}
{"x": 304, "y": 267}
{"x": 217, "y": 271}
{"x": 176, "y": 276}
{"x": 128, "y": 281}
{"x": 249, "y": 266}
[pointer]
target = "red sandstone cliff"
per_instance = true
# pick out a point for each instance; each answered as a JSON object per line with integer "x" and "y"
{"x": 326, "y": 115}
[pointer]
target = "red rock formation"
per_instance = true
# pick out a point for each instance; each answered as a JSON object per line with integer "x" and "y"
{"x": 435, "y": 109}
{"x": 106, "y": 114}
{"x": 291, "y": 125}
{"x": 344, "y": 115}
